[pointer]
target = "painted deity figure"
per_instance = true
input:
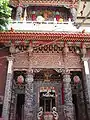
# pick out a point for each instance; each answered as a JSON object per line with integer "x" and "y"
{"x": 19, "y": 12}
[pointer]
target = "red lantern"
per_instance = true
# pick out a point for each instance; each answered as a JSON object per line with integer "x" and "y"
{"x": 76, "y": 79}
{"x": 20, "y": 79}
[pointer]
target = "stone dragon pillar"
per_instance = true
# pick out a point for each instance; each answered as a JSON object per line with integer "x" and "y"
{"x": 28, "y": 107}
{"x": 68, "y": 105}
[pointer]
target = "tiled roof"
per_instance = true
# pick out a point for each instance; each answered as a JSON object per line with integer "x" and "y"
{"x": 67, "y": 3}
{"x": 44, "y": 36}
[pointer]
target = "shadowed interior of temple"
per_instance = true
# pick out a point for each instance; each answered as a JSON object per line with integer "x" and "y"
{"x": 20, "y": 106}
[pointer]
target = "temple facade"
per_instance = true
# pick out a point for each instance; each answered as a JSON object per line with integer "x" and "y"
{"x": 44, "y": 73}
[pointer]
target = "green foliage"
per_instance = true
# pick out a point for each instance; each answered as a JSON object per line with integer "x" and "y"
{"x": 5, "y": 13}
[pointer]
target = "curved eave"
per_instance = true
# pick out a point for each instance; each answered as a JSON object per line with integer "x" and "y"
{"x": 44, "y": 36}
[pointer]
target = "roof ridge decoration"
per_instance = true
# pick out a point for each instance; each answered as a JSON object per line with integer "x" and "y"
{"x": 66, "y": 3}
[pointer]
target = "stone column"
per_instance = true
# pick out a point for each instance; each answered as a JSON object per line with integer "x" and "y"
{"x": 86, "y": 78}
{"x": 8, "y": 87}
{"x": 86, "y": 86}
{"x": 28, "y": 107}
{"x": 74, "y": 14}
{"x": 68, "y": 105}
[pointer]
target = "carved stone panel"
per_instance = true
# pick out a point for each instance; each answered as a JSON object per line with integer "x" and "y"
{"x": 46, "y": 60}
{"x": 73, "y": 61}
{"x": 21, "y": 60}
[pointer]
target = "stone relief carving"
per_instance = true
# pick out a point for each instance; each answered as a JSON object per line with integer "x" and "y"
{"x": 21, "y": 60}
{"x": 41, "y": 60}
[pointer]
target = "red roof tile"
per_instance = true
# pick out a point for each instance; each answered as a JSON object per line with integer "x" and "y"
{"x": 44, "y": 36}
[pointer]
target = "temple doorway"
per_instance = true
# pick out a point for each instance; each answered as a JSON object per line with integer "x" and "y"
{"x": 1, "y": 109}
{"x": 77, "y": 93}
{"x": 48, "y": 89}
{"x": 47, "y": 100}
{"x": 20, "y": 107}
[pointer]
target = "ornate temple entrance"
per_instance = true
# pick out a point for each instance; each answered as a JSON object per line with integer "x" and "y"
{"x": 44, "y": 78}
{"x": 48, "y": 84}
{"x": 45, "y": 95}
{"x": 46, "y": 100}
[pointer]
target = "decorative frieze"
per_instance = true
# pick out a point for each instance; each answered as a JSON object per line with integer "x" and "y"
{"x": 21, "y": 60}
{"x": 46, "y": 60}
{"x": 51, "y": 48}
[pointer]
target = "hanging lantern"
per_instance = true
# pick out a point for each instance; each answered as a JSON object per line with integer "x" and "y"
{"x": 76, "y": 79}
{"x": 20, "y": 79}
{"x": 77, "y": 50}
